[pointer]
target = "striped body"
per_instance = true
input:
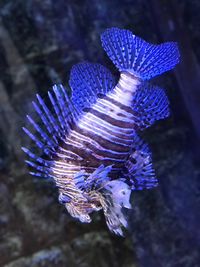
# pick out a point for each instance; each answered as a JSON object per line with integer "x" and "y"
{"x": 104, "y": 134}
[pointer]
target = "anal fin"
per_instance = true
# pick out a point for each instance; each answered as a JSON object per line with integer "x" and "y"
{"x": 150, "y": 104}
{"x": 138, "y": 169}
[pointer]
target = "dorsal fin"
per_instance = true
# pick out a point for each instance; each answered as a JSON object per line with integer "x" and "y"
{"x": 87, "y": 81}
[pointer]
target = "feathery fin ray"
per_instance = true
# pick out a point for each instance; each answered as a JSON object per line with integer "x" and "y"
{"x": 87, "y": 80}
{"x": 138, "y": 168}
{"x": 132, "y": 54}
{"x": 150, "y": 104}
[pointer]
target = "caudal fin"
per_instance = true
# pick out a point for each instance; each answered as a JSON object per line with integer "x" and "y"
{"x": 132, "y": 54}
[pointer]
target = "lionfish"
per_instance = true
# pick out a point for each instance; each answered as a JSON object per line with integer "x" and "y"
{"x": 89, "y": 143}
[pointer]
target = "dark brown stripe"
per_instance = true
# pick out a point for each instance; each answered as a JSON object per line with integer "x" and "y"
{"x": 130, "y": 75}
{"x": 123, "y": 137}
{"x": 100, "y": 152}
{"x": 113, "y": 121}
{"x": 121, "y": 106}
{"x": 88, "y": 159}
{"x": 104, "y": 142}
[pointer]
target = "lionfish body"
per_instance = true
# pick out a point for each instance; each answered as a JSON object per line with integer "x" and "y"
{"x": 89, "y": 142}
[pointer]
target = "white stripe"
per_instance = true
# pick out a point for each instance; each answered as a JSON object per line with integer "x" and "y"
{"x": 86, "y": 139}
{"x": 68, "y": 152}
{"x": 95, "y": 120}
{"x": 85, "y": 127}
{"x": 65, "y": 156}
{"x": 125, "y": 89}
{"x": 84, "y": 124}
{"x": 107, "y": 105}
{"x": 97, "y": 145}
{"x": 63, "y": 172}
{"x": 61, "y": 164}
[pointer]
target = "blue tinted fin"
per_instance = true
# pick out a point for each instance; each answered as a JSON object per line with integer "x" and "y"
{"x": 79, "y": 179}
{"x": 87, "y": 81}
{"x": 49, "y": 129}
{"x": 44, "y": 136}
{"x": 150, "y": 104}
{"x": 138, "y": 169}
{"x": 73, "y": 112}
{"x": 42, "y": 175}
{"x": 42, "y": 166}
{"x": 63, "y": 199}
{"x": 132, "y": 54}
{"x": 33, "y": 156}
{"x": 58, "y": 112}
{"x": 38, "y": 143}
{"x": 41, "y": 171}
{"x": 99, "y": 177}
{"x": 64, "y": 110}
{"x": 95, "y": 180}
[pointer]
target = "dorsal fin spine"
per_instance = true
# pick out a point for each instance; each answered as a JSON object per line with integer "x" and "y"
{"x": 48, "y": 125}
{"x": 57, "y": 111}
{"x": 41, "y": 132}
{"x": 62, "y": 105}
{"x": 52, "y": 120}
{"x": 38, "y": 159}
{"x": 36, "y": 140}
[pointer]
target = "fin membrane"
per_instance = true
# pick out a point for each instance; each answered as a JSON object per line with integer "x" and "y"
{"x": 99, "y": 177}
{"x": 138, "y": 169}
{"x": 132, "y": 54}
{"x": 88, "y": 81}
{"x": 150, "y": 104}
{"x": 95, "y": 180}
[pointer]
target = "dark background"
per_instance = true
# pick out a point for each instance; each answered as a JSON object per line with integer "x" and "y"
{"x": 39, "y": 43}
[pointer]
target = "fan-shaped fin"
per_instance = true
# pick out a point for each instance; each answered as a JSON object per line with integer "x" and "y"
{"x": 150, "y": 104}
{"x": 88, "y": 81}
{"x": 132, "y": 54}
{"x": 138, "y": 167}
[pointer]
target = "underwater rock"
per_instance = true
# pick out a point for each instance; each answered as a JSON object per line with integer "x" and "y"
{"x": 84, "y": 251}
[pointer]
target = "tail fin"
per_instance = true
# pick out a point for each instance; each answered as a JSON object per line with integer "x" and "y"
{"x": 132, "y": 54}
